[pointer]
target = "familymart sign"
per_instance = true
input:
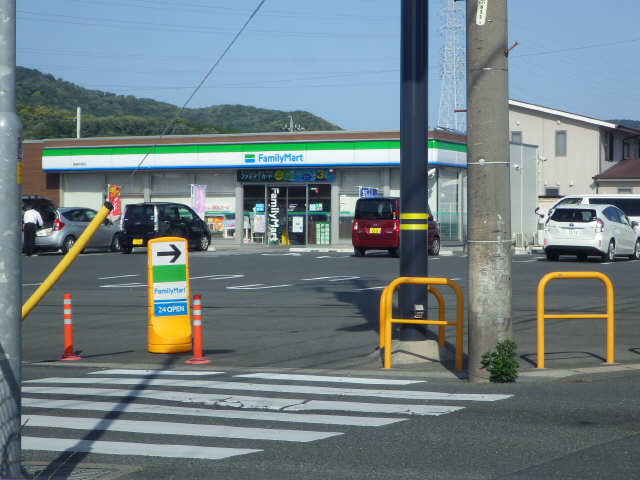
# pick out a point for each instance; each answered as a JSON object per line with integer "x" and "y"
{"x": 250, "y": 155}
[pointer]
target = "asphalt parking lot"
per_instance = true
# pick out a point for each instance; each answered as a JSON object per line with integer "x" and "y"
{"x": 311, "y": 309}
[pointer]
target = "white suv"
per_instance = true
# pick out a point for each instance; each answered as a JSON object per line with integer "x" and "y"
{"x": 583, "y": 230}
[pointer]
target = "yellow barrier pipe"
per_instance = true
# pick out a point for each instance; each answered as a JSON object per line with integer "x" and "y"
{"x": 386, "y": 319}
{"x": 440, "y": 299}
{"x": 67, "y": 260}
{"x": 609, "y": 315}
{"x": 382, "y": 307}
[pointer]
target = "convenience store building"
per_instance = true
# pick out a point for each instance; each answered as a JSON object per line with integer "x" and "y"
{"x": 291, "y": 188}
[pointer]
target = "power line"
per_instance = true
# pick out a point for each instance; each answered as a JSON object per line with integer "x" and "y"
{"x": 204, "y": 79}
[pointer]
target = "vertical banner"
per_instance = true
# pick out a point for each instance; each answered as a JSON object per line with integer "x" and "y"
{"x": 114, "y": 199}
{"x": 274, "y": 216}
{"x": 199, "y": 199}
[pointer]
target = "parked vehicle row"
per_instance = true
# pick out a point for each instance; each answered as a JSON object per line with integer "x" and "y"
{"x": 140, "y": 223}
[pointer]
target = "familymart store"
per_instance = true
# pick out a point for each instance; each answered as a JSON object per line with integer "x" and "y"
{"x": 297, "y": 189}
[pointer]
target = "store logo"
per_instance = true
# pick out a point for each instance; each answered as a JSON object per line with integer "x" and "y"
{"x": 249, "y": 158}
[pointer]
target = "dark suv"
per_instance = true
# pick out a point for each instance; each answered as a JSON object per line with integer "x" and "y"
{"x": 143, "y": 221}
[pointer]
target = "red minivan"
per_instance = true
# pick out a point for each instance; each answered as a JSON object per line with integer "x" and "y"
{"x": 376, "y": 226}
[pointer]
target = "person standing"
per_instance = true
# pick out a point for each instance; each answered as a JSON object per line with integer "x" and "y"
{"x": 31, "y": 221}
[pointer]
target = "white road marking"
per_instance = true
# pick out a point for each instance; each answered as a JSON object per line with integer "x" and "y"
{"x": 124, "y": 285}
{"x": 331, "y": 278}
{"x": 131, "y": 448}
{"x": 31, "y": 284}
{"x": 172, "y": 428}
{"x": 304, "y": 389}
{"x": 217, "y": 277}
{"x": 257, "y": 286}
{"x": 207, "y": 412}
{"x": 339, "y": 256}
{"x": 152, "y": 373}
{"x": 371, "y": 288}
{"x": 293, "y": 254}
{"x": 243, "y": 402}
{"x": 320, "y": 378}
{"x": 386, "y": 408}
{"x": 119, "y": 276}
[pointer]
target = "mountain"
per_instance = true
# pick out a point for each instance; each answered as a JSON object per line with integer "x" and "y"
{"x": 627, "y": 123}
{"x": 46, "y": 107}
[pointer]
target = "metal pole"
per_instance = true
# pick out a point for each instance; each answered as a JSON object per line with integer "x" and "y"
{"x": 489, "y": 222}
{"x": 413, "y": 162}
{"x": 78, "y": 121}
{"x": 10, "y": 273}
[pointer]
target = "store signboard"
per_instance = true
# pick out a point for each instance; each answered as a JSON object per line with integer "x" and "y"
{"x": 273, "y": 156}
{"x": 169, "y": 327}
{"x": 368, "y": 192}
{"x": 287, "y": 175}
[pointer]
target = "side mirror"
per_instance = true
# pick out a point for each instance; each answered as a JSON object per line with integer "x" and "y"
{"x": 635, "y": 225}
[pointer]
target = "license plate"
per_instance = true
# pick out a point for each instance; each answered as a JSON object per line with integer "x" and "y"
{"x": 374, "y": 230}
{"x": 137, "y": 241}
{"x": 573, "y": 233}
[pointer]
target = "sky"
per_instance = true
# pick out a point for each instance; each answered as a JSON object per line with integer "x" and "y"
{"x": 337, "y": 59}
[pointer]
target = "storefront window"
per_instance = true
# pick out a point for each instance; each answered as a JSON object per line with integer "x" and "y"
{"x": 447, "y": 213}
{"x": 254, "y": 216}
{"x": 319, "y": 214}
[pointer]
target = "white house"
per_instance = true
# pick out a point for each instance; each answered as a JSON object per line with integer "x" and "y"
{"x": 572, "y": 148}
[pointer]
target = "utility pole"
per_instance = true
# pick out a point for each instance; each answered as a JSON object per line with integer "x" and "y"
{"x": 489, "y": 219}
{"x": 413, "y": 162}
{"x": 10, "y": 274}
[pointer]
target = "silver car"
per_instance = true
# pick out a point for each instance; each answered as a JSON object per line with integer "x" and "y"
{"x": 69, "y": 224}
{"x": 583, "y": 230}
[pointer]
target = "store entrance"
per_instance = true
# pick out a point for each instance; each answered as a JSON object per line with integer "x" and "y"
{"x": 287, "y": 214}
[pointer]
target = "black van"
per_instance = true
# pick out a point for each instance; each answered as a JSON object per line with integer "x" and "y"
{"x": 143, "y": 221}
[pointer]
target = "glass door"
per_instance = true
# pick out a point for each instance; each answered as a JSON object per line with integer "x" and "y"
{"x": 296, "y": 215}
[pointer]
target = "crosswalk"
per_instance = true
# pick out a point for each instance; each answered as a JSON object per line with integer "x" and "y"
{"x": 156, "y": 408}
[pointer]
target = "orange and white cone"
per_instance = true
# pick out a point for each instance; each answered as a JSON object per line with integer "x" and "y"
{"x": 196, "y": 312}
{"x": 68, "y": 331}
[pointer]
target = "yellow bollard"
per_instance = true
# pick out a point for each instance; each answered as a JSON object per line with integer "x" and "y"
{"x": 67, "y": 260}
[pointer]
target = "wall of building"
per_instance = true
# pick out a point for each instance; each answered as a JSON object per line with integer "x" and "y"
{"x": 571, "y": 174}
{"x": 34, "y": 180}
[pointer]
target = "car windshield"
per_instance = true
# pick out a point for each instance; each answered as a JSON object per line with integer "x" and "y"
{"x": 374, "y": 209}
{"x": 575, "y": 215}
{"x": 139, "y": 213}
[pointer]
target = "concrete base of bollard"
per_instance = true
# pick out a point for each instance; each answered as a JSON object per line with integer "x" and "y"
{"x": 423, "y": 351}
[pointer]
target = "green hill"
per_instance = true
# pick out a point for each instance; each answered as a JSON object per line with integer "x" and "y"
{"x": 47, "y": 109}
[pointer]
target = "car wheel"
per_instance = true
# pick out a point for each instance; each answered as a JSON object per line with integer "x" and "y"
{"x": 393, "y": 252}
{"x": 582, "y": 257}
{"x": 358, "y": 251}
{"x": 435, "y": 247}
{"x": 67, "y": 243}
{"x": 115, "y": 243}
{"x": 610, "y": 256}
{"x": 636, "y": 251}
{"x": 203, "y": 244}
{"x": 552, "y": 257}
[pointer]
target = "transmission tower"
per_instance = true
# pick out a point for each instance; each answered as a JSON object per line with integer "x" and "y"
{"x": 452, "y": 67}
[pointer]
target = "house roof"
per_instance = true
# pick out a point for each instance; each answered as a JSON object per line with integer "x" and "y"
{"x": 573, "y": 116}
{"x": 624, "y": 170}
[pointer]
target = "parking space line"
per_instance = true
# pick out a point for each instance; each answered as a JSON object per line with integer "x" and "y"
{"x": 119, "y": 276}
